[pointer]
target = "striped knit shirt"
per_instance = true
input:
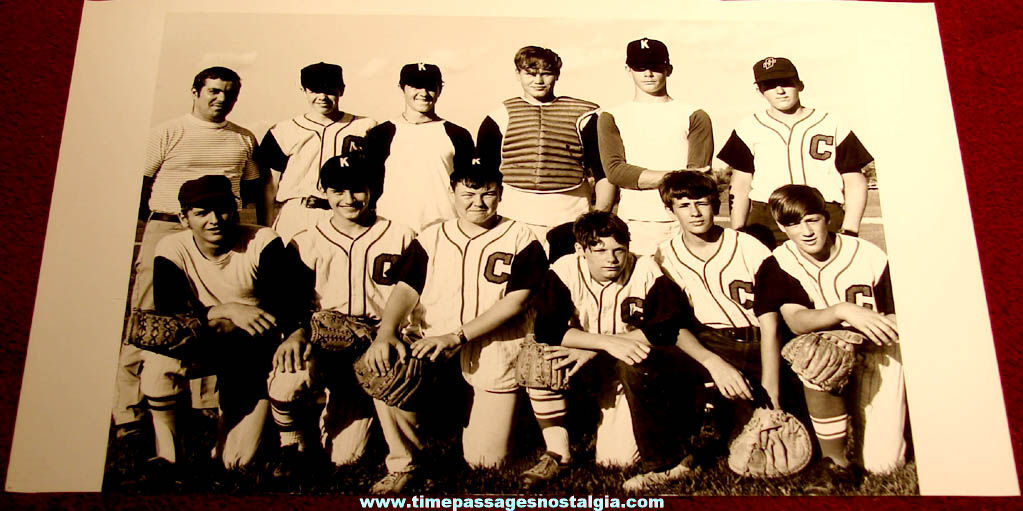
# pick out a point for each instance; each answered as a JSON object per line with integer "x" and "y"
{"x": 186, "y": 148}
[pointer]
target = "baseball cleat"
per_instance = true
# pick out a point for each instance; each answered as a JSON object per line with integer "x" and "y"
{"x": 392, "y": 483}
{"x": 649, "y": 480}
{"x": 546, "y": 469}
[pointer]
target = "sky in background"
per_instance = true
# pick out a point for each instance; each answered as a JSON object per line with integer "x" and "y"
{"x": 712, "y": 59}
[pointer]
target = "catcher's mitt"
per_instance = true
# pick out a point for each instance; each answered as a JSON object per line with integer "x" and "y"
{"x": 772, "y": 444}
{"x": 337, "y": 332}
{"x": 532, "y": 371}
{"x": 824, "y": 359}
{"x": 167, "y": 334}
{"x": 398, "y": 386}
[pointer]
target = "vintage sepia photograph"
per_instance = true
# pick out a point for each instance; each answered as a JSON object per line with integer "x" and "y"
{"x": 396, "y": 254}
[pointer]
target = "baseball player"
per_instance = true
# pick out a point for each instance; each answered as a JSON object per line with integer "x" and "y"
{"x": 200, "y": 143}
{"x": 722, "y": 273}
{"x": 348, "y": 254}
{"x": 415, "y": 153}
{"x": 546, "y": 148}
{"x": 604, "y": 298}
{"x": 833, "y": 281}
{"x": 297, "y": 148}
{"x": 473, "y": 276}
{"x": 238, "y": 278}
{"x": 642, "y": 140}
{"x": 792, "y": 144}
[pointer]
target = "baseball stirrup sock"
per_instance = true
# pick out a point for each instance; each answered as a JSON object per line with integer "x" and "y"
{"x": 830, "y": 428}
{"x": 288, "y": 424}
{"x": 548, "y": 407}
{"x": 165, "y": 422}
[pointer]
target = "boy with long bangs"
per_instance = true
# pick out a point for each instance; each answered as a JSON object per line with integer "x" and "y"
{"x": 833, "y": 281}
{"x": 488, "y": 266}
{"x": 606, "y": 299}
{"x": 546, "y": 148}
{"x": 346, "y": 256}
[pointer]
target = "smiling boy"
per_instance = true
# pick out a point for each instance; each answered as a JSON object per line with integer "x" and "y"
{"x": 546, "y": 148}
{"x": 297, "y": 148}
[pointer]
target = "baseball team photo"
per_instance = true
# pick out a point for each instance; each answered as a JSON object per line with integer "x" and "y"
{"x": 457, "y": 255}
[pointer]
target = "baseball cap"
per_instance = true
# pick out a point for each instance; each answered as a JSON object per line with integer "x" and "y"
{"x": 646, "y": 53}
{"x": 204, "y": 190}
{"x": 420, "y": 76}
{"x": 322, "y": 77}
{"x": 774, "y": 68}
{"x": 348, "y": 172}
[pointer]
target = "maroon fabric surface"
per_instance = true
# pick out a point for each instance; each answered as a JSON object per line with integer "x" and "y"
{"x": 982, "y": 40}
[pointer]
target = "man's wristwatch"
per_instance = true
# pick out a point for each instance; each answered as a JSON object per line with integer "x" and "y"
{"x": 849, "y": 232}
{"x": 462, "y": 339}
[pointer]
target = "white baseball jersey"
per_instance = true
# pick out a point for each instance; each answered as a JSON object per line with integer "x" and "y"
{"x": 641, "y": 297}
{"x": 459, "y": 277}
{"x": 815, "y": 151}
{"x": 300, "y": 146}
{"x": 415, "y": 162}
{"x": 721, "y": 289}
{"x": 858, "y": 273}
{"x": 351, "y": 273}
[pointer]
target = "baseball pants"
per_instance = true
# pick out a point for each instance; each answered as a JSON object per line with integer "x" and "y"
{"x": 879, "y": 413}
{"x": 645, "y": 236}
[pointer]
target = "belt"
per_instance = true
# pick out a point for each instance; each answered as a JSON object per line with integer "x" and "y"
{"x": 164, "y": 217}
{"x": 744, "y": 334}
{"x": 313, "y": 202}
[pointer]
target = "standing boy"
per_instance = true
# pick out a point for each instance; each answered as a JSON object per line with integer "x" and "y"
{"x": 414, "y": 154}
{"x": 641, "y": 141}
{"x": 297, "y": 148}
{"x": 791, "y": 144}
{"x": 546, "y": 148}
{"x": 832, "y": 281}
{"x": 347, "y": 255}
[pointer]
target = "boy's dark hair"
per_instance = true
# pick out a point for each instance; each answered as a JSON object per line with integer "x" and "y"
{"x": 532, "y": 58}
{"x": 592, "y": 226}
{"x": 790, "y": 203}
{"x": 216, "y": 73}
{"x": 689, "y": 184}
{"x": 348, "y": 172}
{"x": 475, "y": 175}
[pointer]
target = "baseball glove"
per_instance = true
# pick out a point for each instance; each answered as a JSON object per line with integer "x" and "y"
{"x": 532, "y": 371}
{"x": 336, "y": 332}
{"x": 167, "y": 334}
{"x": 824, "y": 359}
{"x": 772, "y": 444}
{"x": 398, "y": 386}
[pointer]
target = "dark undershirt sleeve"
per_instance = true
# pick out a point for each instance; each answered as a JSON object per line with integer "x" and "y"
{"x": 554, "y": 310}
{"x": 612, "y": 154}
{"x": 269, "y": 155}
{"x": 851, "y": 156}
{"x": 488, "y": 143}
{"x": 461, "y": 139}
{"x": 775, "y": 287}
{"x": 591, "y": 148}
{"x": 665, "y": 311}
{"x": 561, "y": 241}
{"x": 284, "y": 285}
{"x": 883, "y": 290}
{"x": 411, "y": 267}
{"x": 528, "y": 268}
{"x": 737, "y": 154}
{"x": 172, "y": 291}
{"x": 378, "y": 149}
{"x": 252, "y": 190}
{"x": 701, "y": 140}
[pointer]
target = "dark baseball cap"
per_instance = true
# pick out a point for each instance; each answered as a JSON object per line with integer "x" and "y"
{"x": 774, "y": 68}
{"x": 322, "y": 77}
{"x": 205, "y": 190}
{"x": 646, "y": 54}
{"x": 420, "y": 76}
{"x": 349, "y": 172}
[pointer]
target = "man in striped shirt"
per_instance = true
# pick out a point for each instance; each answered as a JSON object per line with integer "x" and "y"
{"x": 200, "y": 143}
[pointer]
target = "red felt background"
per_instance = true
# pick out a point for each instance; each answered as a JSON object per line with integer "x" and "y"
{"x": 982, "y": 41}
